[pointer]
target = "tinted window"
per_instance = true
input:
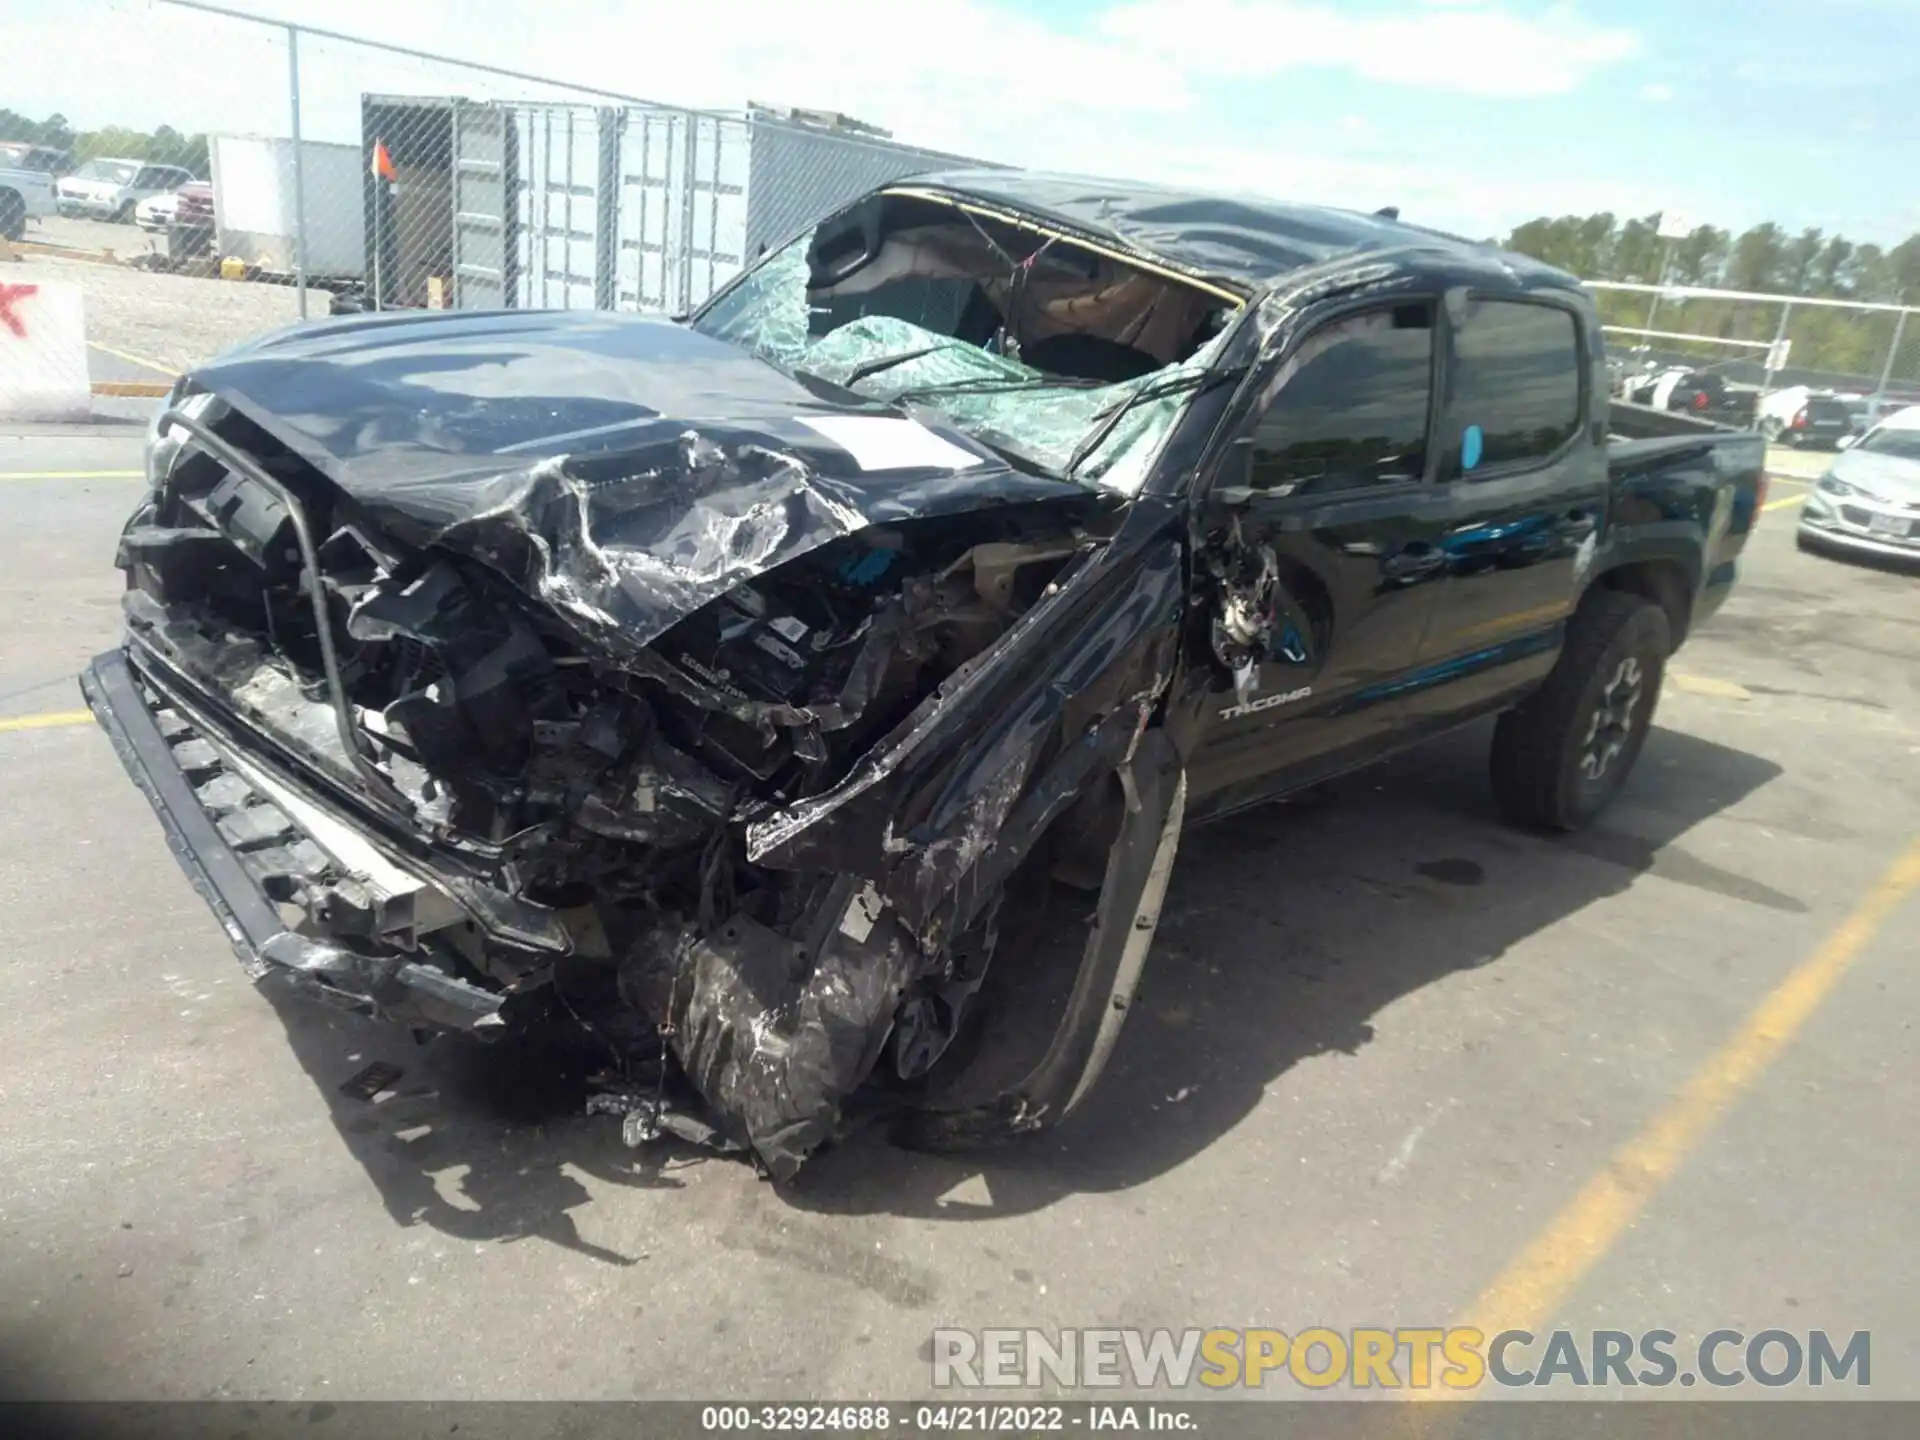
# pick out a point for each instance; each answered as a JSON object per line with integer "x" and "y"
{"x": 1516, "y": 376}
{"x": 1349, "y": 407}
{"x": 1825, "y": 407}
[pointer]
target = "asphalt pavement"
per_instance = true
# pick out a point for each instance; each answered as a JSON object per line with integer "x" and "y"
{"x": 1393, "y": 1064}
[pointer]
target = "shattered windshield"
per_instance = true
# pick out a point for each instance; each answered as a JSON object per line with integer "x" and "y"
{"x": 987, "y": 387}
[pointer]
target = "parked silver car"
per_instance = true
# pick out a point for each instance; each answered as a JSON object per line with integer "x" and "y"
{"x": 1869, "y": 499}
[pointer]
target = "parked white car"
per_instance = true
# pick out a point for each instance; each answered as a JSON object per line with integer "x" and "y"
{"x": 158, "y": 211}
{"x": 110, "y": 189}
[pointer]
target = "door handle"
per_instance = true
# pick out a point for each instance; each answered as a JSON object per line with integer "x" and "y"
{"x": 1412, "y": 561}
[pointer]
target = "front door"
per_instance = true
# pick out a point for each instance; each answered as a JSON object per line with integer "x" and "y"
{"x": 1320, "y": 547}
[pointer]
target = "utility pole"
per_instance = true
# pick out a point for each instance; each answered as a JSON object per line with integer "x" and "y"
{"x": 1886, "y": 370}
{"x": 299, "y": 170}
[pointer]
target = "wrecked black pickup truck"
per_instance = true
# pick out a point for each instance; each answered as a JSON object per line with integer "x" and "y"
{"x": 760, "y": 691}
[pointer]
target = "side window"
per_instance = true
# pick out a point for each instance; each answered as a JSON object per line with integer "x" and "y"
{"x": 1349, "y": 408}
{"x": 1516, "y": 376}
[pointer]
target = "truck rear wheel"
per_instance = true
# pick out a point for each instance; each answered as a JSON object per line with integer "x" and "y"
{"x": 1561, "y": 755}
{"x": 13, "y": 215}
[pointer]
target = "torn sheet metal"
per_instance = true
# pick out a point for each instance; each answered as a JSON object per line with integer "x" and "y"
{"x": 933, "y": 810}
{"x": 775, "y": 1030}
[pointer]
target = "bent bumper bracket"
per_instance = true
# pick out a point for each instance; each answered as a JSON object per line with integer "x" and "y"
{"x": 395, "y": 985}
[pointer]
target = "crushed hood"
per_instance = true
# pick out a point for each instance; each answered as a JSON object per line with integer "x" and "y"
{"x": 624, "y": 469}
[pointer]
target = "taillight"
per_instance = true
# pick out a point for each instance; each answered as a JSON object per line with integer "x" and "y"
{"x": 1800, "y": 419}
{"x": 1699, "y": 399}
{"x": 1760, "y": 494}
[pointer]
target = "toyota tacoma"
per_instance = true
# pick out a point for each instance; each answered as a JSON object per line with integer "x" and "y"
{"x": 805, "y": 698}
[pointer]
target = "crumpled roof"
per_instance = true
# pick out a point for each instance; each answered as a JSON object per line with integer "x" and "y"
{"x": 1241, "y": 243}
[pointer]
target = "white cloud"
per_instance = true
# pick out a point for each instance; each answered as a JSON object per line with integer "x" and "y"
{"x": 1658, "y": 93}
{"x": 1138, "y": 91}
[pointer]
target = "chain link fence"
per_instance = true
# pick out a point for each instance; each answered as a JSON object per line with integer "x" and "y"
{"x": 1767, "y": 344}
{"x": 327, "y": 174}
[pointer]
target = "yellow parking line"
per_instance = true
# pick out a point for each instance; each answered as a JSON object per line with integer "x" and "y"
{"x": 132, "y": 389}
{"x": 1783, "y": 502}
{"x": 132, "y": 359}
{"x": 1525, "y": 1295}
{"x": 73, "y": 474}
{"x": 1708, "y": 685}
{"x": 48, "y": 721}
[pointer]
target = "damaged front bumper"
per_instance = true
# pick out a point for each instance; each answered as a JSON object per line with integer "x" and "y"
{"x": 299, "y": 891}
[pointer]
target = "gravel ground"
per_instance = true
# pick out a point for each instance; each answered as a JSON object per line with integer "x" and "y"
{"x": 172, "y": 321}
{"x": 77, "y": 234}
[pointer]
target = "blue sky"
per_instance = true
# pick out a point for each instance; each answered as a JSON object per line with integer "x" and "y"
{"x": 1469, "y": 114}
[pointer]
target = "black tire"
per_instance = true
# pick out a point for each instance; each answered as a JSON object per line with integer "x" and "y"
{"x": 124, "y": 215}
{"x": 13, "y": 215}
{"x": 1561, "y": 755}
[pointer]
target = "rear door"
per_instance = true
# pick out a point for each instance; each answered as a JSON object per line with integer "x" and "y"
{"x": 1523, "y": 480}
{"x": 1320, "y": 528}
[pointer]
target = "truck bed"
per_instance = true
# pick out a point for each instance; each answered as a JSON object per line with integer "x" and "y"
{"x": 1688, "y": 488}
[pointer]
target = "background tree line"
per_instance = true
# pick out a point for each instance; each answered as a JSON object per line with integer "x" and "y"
{"x": 164, "y": 146}
{"x": 1765, "y": 258}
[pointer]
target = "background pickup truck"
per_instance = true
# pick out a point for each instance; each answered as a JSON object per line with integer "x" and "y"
{"x": 805, "y": 700}
{"x": 24, "y": 191}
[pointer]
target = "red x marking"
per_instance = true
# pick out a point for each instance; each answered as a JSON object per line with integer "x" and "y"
{"x": 8, "y": 295}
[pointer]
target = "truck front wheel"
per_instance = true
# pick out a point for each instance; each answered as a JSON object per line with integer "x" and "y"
{"x": 1561, "y": 755}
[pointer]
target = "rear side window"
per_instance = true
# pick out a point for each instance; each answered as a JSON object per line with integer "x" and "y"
{"x": 1516, "y": 375}
{"x": 1350, "y": 407}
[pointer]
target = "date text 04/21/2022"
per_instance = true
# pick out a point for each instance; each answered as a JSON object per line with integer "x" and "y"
{"x": 944, "y": 1419}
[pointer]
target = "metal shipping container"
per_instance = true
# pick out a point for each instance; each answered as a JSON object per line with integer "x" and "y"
{"x": 559, "y": 206}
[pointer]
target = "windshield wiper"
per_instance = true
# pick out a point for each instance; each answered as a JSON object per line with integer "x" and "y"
{"x": 1194, "y": 380}
{"x": 887, "y": 362}
{"x": 999, "y": 382}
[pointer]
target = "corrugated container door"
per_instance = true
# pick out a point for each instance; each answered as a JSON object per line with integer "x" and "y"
{"x": 682, "y": 208}
{"x": 560, "y": 245}
{"x": 484, "y": 212}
